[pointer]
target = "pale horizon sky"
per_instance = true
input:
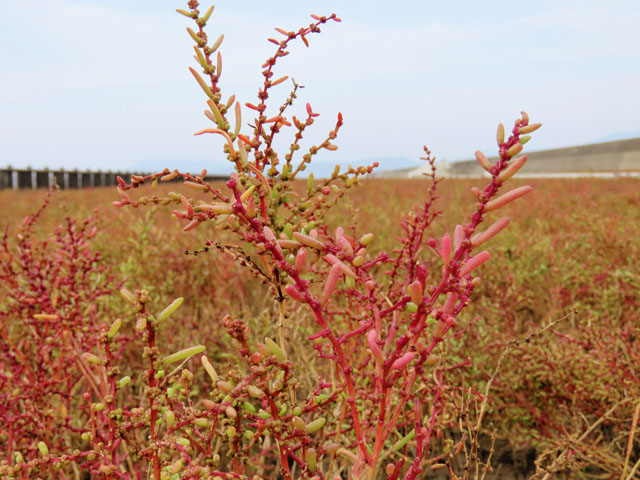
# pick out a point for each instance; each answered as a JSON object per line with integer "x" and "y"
{"x": 105, "y": 84}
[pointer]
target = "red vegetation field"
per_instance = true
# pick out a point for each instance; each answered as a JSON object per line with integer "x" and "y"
{"x": 554, "y": 322}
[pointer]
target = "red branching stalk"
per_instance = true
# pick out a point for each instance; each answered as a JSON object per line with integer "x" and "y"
{"x": 53, "y": 285}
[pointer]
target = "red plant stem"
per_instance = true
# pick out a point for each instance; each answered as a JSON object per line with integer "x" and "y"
{"x": 317, "y": 313}
{"x": 110, "y": 404}
{"x": 263, "y": 93}
{"x": 275, "y": 414}
{"x": 424, "y": 440}
{"x": 153, "y": 416}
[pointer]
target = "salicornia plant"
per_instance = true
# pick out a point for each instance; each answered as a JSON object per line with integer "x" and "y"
{"x": 352, "y": 382}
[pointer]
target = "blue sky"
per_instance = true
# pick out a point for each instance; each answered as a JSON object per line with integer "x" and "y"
{"x": 105, "y": 84}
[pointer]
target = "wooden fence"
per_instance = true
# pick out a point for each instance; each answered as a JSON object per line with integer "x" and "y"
{"x": 16, "y": 178}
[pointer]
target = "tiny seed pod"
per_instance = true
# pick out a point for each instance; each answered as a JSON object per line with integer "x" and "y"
{"x": 490, "y": 232}
{"x": 186, "y": 13}
{"x": 295, "y": 294}
{"x": 508, "y": 197}
{"x": 201, "y": 422}
{"x": 366, "y": 239}
{"x": 141, "y": 324}
{"x": 500, "y": 134}
{"x": 209, "y": 368}
{"x": 301, "y": 258}
{"x": 230, "y": 412}
{"x": 115, "y": 326}
{"x": 415, "y": 292}
{"x": 332, "y": 448}
{"x": 44, "y": 450}
{"x": 308, "y": 241}
{"x": 217, "y": 207}
{"x": 176, "y": 466}
{"x": 333, "y": 260}
{"x": 186, "y": 204}
{"x": 483, "y": 160}
{"x": 196, "y": 186}
{"x": 275, "y": 349}
{"x": 248, "y": 407}
{"x": 277, "y": 385}
{"x": 431, "y": 360}
{"x": 91, "y": 358}
{"x": 183, "y": 354}
{"x": 207, "y": 14}
{"x": 316, "y": 425}
{"x": 169, "y": 310}
{"x": 411, "y": 307}
{"x": 346, "y": 246}
{"x": 514, "y": 150}
{"x": 191, "y": 225}
{"x": 169, "y": 177}
{"x": 263, "y": 349}
{"x": 124, "y": 381}
{"x": 170, "y": 418}
{"x": 349, "y": 282}
{"x": 331, "y": 283}
{"x": 311, "y": 459}
{"x": 225, "y": 387}
{"x": 208, "y": 404}
{"x": 512, "y": 169}
{"x": 310, "y": 184}
{"x": 289, "y": 244}
{"x": 474, "y": 262}
{"x": 298, "y": 423}
{"x": 216, "y": 45}
{"x": 255, "y": 392}
{"x": 128, "y": 296}
{"x": 403, "y": 361}
{"x": 458, "y": 237}
{"x": 529, "y": 128}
